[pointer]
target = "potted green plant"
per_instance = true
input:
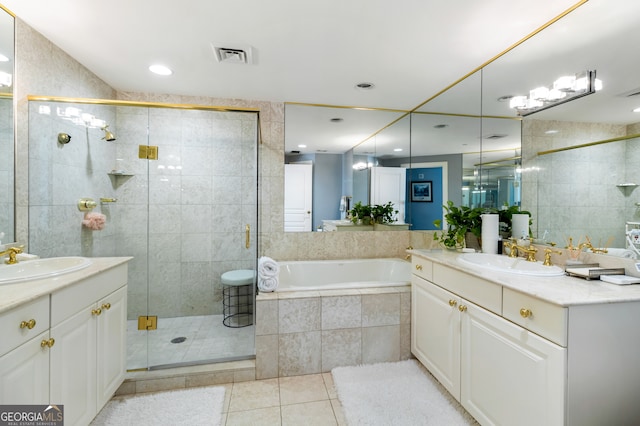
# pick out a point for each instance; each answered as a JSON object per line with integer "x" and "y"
{"x": 464, "y": 226}
{"x": 361, "y": 214}
{"x": 383, "y": 213}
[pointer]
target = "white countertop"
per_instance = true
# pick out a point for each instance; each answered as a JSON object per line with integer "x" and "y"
{"x": 13, "y": 295}
{"x": 562, "y": 290}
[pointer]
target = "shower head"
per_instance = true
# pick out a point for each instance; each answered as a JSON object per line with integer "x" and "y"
{"x": 108, "y": 136}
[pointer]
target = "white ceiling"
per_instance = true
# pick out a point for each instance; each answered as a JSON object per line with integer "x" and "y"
{"x": 312, "y": 52}
{"x": 317, "y": 53}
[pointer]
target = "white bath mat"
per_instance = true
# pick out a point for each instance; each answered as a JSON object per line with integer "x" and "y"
{"x": 188, "y": 407}
{"x": 395, "y": 393}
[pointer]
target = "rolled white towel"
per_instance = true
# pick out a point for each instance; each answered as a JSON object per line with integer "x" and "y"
{"x": 267, "y": 267}
{"x": 268, "y": 284}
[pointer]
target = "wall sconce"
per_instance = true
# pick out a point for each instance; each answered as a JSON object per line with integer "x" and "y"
{"x": 564, "y": 89}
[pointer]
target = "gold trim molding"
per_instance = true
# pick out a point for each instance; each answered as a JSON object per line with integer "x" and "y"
{"x": 113, "y": 102}
{"x": 585, "y": 145}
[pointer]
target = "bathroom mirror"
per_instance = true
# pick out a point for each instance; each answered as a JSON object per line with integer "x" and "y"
{"x": 332, "y": 141}
{"x": 7, "y": 163}
{"x": 589, "y": 190}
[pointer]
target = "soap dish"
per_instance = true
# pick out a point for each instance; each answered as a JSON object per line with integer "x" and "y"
{"x": 620, "y": 279}
{"x": 593, "y": 273}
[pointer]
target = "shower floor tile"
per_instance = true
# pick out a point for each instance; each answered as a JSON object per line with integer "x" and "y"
{"x": 205, "y": 338}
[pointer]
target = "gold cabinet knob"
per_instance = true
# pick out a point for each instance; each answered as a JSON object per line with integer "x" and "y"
{"x": 525, "y": 313}
{"x": 28, "y": 324}
{"x": 452, "y": 303}
{"x": 96, "y": 311}
{"x": 419, "y": 267}
{"x": 106, "y": 306}
{"x": 462, "y": 308}
{"x": 48, "y": 342}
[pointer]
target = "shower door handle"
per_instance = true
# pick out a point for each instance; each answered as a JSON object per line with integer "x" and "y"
{"x": 247, "y": 230}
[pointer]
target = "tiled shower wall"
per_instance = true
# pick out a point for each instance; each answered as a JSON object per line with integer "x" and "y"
{"x": 182, "y": 217}
{"x": 567, "y": 191}
{"x": 200, "y": 193}
{"x": 63, "y": 174}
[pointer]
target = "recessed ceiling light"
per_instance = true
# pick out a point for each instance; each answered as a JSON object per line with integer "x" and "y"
{"x": 365, "y": 86}
{"x": 637, "y": 109}
{"x": 3, "y": 58}
{"x": 302, "y": 146}
{"x": 336, "y": 120}
{"x": 160, "y": 70}
{"x": 397, "y": 149}
{"x": 551, "y": 132}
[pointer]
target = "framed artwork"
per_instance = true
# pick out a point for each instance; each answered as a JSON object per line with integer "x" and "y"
{"x": 421, "y": 191}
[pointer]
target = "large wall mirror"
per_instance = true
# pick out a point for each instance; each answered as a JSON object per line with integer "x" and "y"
{"x": 579, "y": 158}
{"x": 7, "y": 146}
{"x": 329, "y": 153}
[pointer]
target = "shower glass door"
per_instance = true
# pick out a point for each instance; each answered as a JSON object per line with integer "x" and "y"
{"x": 182, "y": 216}
{"x": 202, "y": 191}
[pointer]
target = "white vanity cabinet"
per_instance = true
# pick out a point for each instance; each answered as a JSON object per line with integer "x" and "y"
{"x": 66, "y": 343}
{"x": 88, "y": 323}
{"x": 24, "y": 354}
{"x": 500, "y": 372}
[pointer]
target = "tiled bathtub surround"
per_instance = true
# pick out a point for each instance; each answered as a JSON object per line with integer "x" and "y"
{"x": 312, "y": 332}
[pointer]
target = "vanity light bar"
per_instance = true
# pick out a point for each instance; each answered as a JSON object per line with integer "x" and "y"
{"x": 564, "y": 89}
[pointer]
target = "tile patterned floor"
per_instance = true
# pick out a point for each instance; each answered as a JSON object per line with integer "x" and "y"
{"x": 206, "y": 339}
{"x": 285, "y": 401}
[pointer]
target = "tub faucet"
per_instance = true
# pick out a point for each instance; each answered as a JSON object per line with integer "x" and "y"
{"x": 408, "y": 256}
{"x": 11, "y": 251}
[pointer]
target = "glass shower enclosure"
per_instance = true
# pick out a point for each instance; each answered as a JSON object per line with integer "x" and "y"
{"x": 177, "y": 187}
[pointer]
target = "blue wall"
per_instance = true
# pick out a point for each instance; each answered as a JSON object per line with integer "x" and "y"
{"x": 422, "y": 214}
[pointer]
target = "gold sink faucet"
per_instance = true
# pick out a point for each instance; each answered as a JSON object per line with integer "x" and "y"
{"x": 547, "y": 256}
{"x": 511, "y": 245}
{"x": 12, "y": 252}
{"x": 514, "y": 250}
{"x": 530, "y": 252}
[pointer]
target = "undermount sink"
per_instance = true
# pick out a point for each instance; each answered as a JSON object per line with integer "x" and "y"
{"x": 41, "y": 268}
{"x": 498, "y": 262}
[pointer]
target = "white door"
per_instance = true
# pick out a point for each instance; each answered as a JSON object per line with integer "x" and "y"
{"x": 73, "y": 367}
{"x": 112, "y": 344}
{"x": 298, "y": 190}
{"x": 509, "y": 376}
{"x": 435, "y": 333}
{"x": 389, "y": 184}
{"x": 24, "y": 373}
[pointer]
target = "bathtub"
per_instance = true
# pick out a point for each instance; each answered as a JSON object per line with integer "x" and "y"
{"x": 343, "y": 274}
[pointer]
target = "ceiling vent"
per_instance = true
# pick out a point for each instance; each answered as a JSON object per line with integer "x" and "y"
{"x": 233, "y": 55}
{"x": 495, "y": 136}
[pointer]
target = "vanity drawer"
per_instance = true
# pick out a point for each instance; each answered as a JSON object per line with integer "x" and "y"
{"x": 474, "y": 289}
{"x": 543, "y": 318}
{"x": 422, "y": 267}
{"x": 16, "y": 322}
{"x": 69, "y": 300}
